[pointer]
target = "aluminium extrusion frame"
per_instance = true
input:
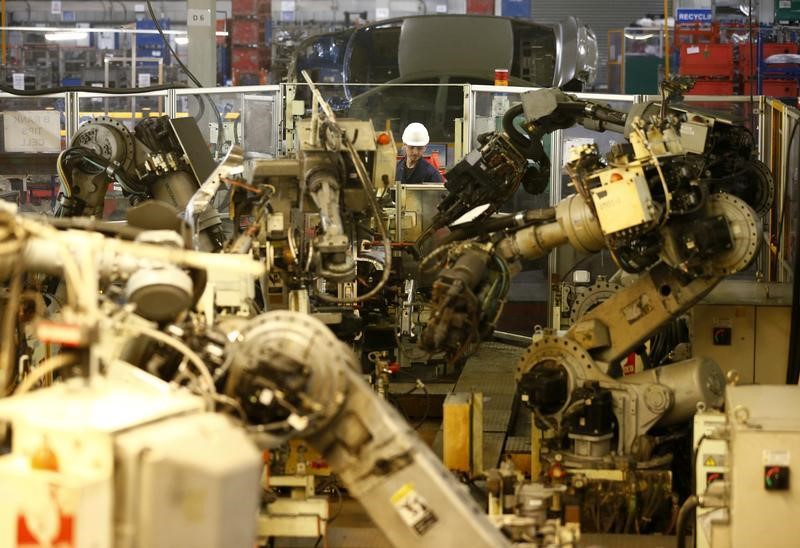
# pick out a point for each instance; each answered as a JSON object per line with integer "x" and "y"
{"x": 466, "y": 136}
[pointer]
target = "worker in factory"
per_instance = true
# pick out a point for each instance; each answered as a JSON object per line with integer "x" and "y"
{"x": 412, "y": 167}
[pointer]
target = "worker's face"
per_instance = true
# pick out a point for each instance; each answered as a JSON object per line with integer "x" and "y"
{"x": 414, "y": 153}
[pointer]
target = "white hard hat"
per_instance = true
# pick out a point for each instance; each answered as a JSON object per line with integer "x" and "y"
{"x": 416, "y": 135}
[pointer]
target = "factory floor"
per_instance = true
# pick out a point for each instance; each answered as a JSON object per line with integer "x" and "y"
{"x": 490, "y": 370}
{"x": 360, "y": 533}
{"x": 354, "y": 529}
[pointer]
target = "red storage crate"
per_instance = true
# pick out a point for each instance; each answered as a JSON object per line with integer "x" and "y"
{"x": 480, "y": 7}
{"x": 745, "y": 66}
{"x": 779, "y": 88}
{"x": 773, "y": 88}
{"x": 775, "y": 49}
{"x": 247, "y": 59}
{"x": 250, "y": 8}
{"x": 707, "y": 60}
{"x": 768, "y": 49}
{"x": 713, "y": 87}
{"x": 245, "y": 32}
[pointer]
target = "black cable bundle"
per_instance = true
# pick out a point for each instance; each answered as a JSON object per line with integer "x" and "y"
{"x": 793, "y": 365}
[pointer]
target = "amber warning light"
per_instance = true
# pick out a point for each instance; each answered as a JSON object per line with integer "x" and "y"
{"x": 501, "y": 77}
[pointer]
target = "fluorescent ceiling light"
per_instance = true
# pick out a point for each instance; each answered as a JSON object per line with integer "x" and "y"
{"x": 65, "y": 35}
{"x": 181, "y": 40}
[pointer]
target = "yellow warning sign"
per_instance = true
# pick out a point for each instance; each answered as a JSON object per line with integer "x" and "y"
{"x": 710, "y": 461}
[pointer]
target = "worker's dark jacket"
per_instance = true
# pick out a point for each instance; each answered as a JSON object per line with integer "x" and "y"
{"x": 423, "y": 172}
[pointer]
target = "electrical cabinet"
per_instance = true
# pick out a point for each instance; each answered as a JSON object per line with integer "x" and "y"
{"x": 753, "y": 340}
{"x": 764, "y": 447}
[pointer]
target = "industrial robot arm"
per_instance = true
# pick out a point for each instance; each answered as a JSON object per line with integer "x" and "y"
{"x": 721, "y": 151}
{"x": 285, "y": 372}
{"x": 492, "y": 173}
{"x": 295, "y": 379}
{"x": 669, "y": 194}
{"x": 163, "y": 159}
{"x": 672, "y": 204}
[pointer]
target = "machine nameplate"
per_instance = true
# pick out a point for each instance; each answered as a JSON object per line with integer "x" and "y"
{"x": 776, "y": 457}
{"x": 637, "y": 309}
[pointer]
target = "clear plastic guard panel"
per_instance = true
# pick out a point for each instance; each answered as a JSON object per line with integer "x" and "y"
{"x": 127, "y": 109}
{"x": 391, "y": 107}
{"x": 528, "y": 295}
{"x": 246, "y": 116}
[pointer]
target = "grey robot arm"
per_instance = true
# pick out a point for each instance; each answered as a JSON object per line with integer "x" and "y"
{"x": 295, "y": 379}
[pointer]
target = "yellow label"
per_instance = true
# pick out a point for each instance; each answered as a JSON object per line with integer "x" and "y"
{"x": 402, "y": 492}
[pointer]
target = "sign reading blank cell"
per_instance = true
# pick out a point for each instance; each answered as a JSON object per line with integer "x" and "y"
{"x": 32, "y": 131}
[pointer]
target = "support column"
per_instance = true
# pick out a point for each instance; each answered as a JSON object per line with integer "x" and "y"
{"x": 202, "y": 25}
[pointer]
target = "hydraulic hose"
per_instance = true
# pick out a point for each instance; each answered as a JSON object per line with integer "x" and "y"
{"x": 683, "y": 519}
{"x": 486, "y": 226}
{"x": 521, "y": 142}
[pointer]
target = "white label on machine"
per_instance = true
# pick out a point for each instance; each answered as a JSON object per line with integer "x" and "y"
{"x": 441, "y": 8}
{"x": 287, "y": 5}
{"x": 105, "y": 40}
{"x": 32, "y": 131}
{"x": 691, "y": 50}
{"x": 776, "y": 457}
{"x": 18, "y": 80}
{"x": 413, "y": 509}
{"x": 198, "y": 18}
{"x": 381, "y": 13}
{"x": 275, "y": 222}
{"x": 143, "y": 79}
{"x": 785, "y": 4}
{"x": 576, "y": 142}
